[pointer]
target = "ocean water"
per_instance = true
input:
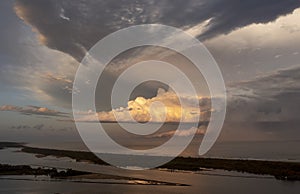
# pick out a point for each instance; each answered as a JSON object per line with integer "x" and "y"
{"x": 211, "y": 182}
{"x": 200, "y": 184}
{"x": 280, "y": 149}
{"x": 261, "y": 150}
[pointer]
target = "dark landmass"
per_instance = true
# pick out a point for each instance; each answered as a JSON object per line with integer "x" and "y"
{"x": 70, "y": 174}
{"x": 289, "y": 171}
{"x": 6, "y": 169}
{"x": 10, "y": 145}
{"x": 79, "y": 156}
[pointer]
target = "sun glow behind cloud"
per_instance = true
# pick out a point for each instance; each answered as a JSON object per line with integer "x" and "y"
{"x": 164, "y": 107}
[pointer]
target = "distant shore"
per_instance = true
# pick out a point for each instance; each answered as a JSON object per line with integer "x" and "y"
{"x": 77, "y": 176}
{"x": 289, "y": 171}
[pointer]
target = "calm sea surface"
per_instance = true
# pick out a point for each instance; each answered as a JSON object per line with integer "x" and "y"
{"x": 208, "y": 182}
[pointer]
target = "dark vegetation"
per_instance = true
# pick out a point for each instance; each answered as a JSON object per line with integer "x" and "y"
{"x": 6, "y": 169}
{"x": 280, "y": 170}
{"x": 10, "y": 145}
{"x": 76, "y": 155}
{"x": 70, "y": 174}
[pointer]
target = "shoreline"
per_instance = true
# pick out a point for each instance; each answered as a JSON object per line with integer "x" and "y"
{"x": 7, "y": 172}
{"x": 281, "y": 170}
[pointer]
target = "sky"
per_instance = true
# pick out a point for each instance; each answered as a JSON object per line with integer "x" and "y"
{"x": 256, "y": 44}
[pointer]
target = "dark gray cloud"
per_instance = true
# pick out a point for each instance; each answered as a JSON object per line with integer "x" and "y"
{"x": 264, "y": 108}
{"x": 270, "y": 98}
{"x": 26, "y": 64}
{"x": 39, "y": 127}
{"x": 20, "y": 127}
{"x": 33, "y": 110}
{"x": 232, "y": 14}
{"x": 74, "y": 26}
{"x": 10, "y": 33}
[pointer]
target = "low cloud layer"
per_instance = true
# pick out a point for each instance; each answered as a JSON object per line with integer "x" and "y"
{"x": 24, "y": 127}
{"x": 33, "y": 110}
{"x": 182, "y": 133}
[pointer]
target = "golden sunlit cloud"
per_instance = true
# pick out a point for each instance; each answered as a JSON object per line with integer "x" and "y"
{"x": 165, "y": 107}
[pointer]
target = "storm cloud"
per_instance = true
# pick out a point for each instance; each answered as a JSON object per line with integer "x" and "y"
{"x": 270, "y": 98}
{"x": 75, "y": 26}
{"x": 70, "y": 28}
